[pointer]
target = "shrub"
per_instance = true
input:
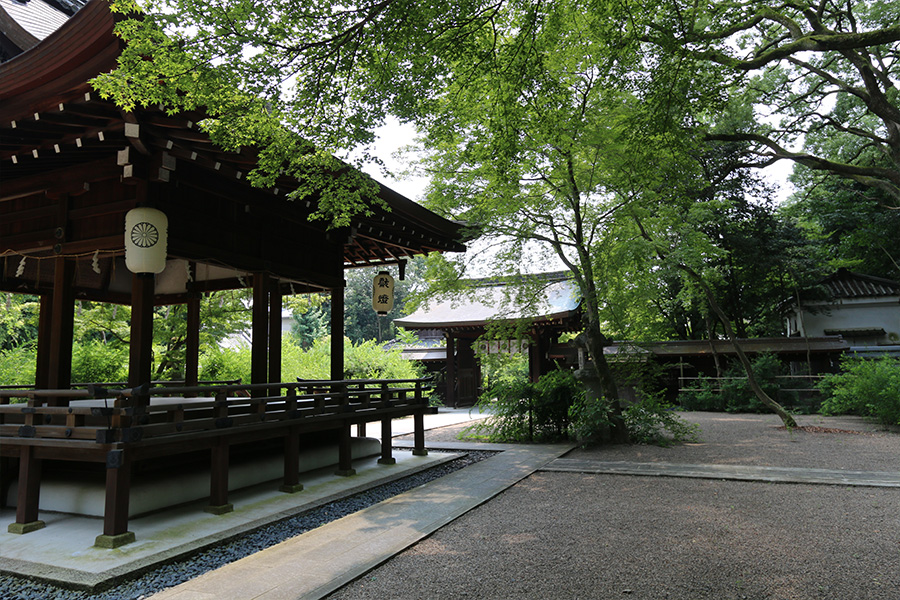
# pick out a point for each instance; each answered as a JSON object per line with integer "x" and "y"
{"x": 704, "y": 395}
{"x": 589, "y": 420}
{"x": 17, "y": 365}
{"x": 522, "y": 411}
{"x": 95, "y": 362}
{"x": 500, "y": 367}
{"x": 736, "y": 392}
{"x": 865, "y": 387}
{"x": 555, "y": 393}
{"x": 509, "y": 402}
{"x": 219, "y": 363}
{"x": 651, "y": 420}
{"x": 732, "y": 393}
{"x": 366, "y": 360}
{"x": 369, "y": 360}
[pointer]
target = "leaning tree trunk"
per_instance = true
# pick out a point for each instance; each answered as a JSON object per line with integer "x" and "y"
{"x": 712, "y": 346}
{"x": 770, "y": 402}
{"x": 761, "y": 394}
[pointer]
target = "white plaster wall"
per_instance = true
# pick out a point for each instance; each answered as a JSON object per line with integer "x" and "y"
{"x": 67, "y": 495}
{"x": 854, "y": 314}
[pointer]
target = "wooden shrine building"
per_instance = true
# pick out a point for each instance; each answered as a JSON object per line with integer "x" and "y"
{"x": 74, "y": 169}
{"x": 463, "y": 321}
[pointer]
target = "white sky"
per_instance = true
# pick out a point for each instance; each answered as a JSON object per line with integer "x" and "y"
{"x": 391, "y": 137}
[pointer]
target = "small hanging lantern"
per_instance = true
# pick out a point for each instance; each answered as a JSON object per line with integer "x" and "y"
{"x": 146, "y": 240}
{"x": 383, "y": 293}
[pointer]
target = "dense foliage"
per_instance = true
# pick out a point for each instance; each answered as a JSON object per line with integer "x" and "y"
{"x": 865, "y": 387}
{"x": 558, "y": 407}
{"x": 100, "y": 349}
{"x": 522, "y": 411}
{"x": 365, "y": 360}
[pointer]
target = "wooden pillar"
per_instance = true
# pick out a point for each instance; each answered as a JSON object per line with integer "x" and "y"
{"x": 275, "y": 304}
{"x": 192, "y": 342}
{"x": 534, "y": 358}
{"x": 62, "y": 325}
{"x": 118, "y": 490}
{"x": 29, "y": 495}
{"x": 218, "y": 480}
{"x": 419, "y": 433}
{"x": 259, "y": 343}
{"x": 337, "y": 334}
{"x": 345, "y": 455}
{"x": 42, "y": 368}
{"x": 387, "y": 457}
{"x": 291, "y": 483}
{"x": 451, "y": 371}
{"x": 140, "y": 364}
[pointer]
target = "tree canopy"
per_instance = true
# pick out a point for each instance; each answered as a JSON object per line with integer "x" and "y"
{"x": 823, "y": 74}
{"x": 590, "y": 127}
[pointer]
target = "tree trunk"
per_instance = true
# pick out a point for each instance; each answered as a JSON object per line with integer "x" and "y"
{"x": 710, "y": 334}
{"x": 786, "y": 418}
{"x": 596, "y": 341}
{"x": 763, "y": 397}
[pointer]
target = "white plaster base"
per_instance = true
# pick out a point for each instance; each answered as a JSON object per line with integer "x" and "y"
{"x": 162, "y": 491}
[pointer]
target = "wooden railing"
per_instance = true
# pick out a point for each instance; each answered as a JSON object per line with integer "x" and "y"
{"x": 121, "y": 426}
{"x": 132, "y": 415}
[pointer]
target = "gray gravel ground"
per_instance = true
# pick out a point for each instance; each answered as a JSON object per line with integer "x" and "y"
{"x": 757, "y": 440}
{"x": 566, "y": 535}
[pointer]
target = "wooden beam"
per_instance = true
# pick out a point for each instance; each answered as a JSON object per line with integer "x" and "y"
{"x": 387, "y": 457}
{"x": 42, "y": 368}
{"x": 73, "y": 177}
{"x": 191, "y": 249}
{"x": 419, "y": 434}
{"x": 291, "y": 482}
{"x": 218, "y": 479}
{"x": 345, "y": 455}
{"x": 451, "y": 370}
{"x": 29, "y": 493}
{"x": 118, "y": 491}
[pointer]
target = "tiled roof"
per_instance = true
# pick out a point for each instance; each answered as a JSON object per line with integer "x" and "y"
{"x": 847, "y": 284}
{"x": 559, "y": 299}
{"x": 37, "y": 17}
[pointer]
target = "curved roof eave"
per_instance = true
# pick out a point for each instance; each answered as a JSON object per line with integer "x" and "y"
{"x": 82, "y": 48}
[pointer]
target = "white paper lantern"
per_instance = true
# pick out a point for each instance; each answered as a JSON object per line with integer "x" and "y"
{"x": 146, "y": 240}
{"x": 383, "y": 293}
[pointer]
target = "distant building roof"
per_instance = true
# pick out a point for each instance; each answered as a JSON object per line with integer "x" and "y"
{"x": 559, "y": 300}
{"x": 847, "y": 284}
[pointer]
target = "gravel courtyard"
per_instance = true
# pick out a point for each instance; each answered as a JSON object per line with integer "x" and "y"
{"x": 569, "y": 535}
